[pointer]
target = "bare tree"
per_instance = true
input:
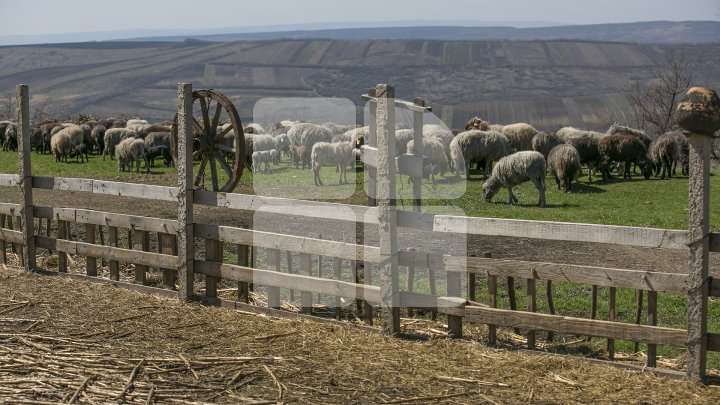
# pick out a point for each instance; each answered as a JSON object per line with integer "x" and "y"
{"x": 653, "y": 103}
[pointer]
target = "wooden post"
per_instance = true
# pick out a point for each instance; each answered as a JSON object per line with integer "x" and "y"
{"x": 337, "y": 270}
{"x": 611, "y": 317}
{"x": 22, "y": 118}
{"x": 593, "y": 304}
{"x": 288, "y": 255}
{"x": 273, "y": 293}
{"x": 387, "y": 215}
{"x": 638, "y": 315}
{"x": 531, "y": 307}
{"x": 213, "y": 253}
{"x": 167, "y": 245}
{"x": 551, "y": 305}
{"x": 305, "y": 297}
{"x": 243, "y": 260}
{"x": 113, "y": 241}
{"x": 185, "y": 236}
{"x": 454, "y": 290}
{"x": 471, "y": 285}
{"x": 367, "y": 280}
{"x": 140, "y": 242}
{"x": 699, "y": 116}
{"x": 3, "y": 252}
{"x": 511, "y": 297}
{"x": 91, "y": 262}
{"x": 652, "y": 320}
{"x": 419, "y": 151}
{"x": 433, "y": 290}
{"x": 410, "y": 283}
{"x": 63, "y": 233}
{"x": 371, "y": 172}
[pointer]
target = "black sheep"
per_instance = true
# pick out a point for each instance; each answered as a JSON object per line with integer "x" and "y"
{"x": 80, "y": 152}
{"x": 159, "y": 151}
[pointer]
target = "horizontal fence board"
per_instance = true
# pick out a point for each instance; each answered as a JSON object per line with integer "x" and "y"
{"x": 619, "y": 235}
{"x": 368, "y": 155}
{"x": 108, "y": 219}
{"x": 288, "y": 242}
{"x": 447, "y": 305}
{"x": 146, "y": 191}
{"x": 108, "y": 252}
{"x": 288, "y": 206}
{"x": 401, "y": 104}
{"x": 291, "y": 281}
{"x": 9, "y": 209}
{"x": 11, "y": 236}
{"x": 576, "y": 326}
{"x": 600, "y": 276}
{"x": 9, "y": 180}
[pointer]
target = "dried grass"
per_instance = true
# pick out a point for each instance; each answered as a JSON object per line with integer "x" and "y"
{"x": 66, "y": 341}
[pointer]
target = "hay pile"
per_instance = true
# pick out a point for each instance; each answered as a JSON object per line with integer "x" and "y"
{"x": 68, "y": 341}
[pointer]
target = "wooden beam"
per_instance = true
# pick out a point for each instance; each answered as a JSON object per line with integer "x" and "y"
{"x": 100, "y": 218}
{"x": 113, "y": 242}
{"x": 9, "y": 180}
{"x": 576, "y": 326}
{"x": 134, "y": 190}
{"x": 407, "y": 105}
{"x": 27, "y": 226}
{"x": 9, "y": 208}
{"x": 185, "y": 197}
{"x": 91, "y": 262}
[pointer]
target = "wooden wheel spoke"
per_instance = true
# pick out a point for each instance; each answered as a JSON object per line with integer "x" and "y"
{"x": 216, "y": 117}
{"x": 224, "y": 148}
{"x": 197, "y": 125}
{"x": 224, "y": 132}
{"x": 201, "y": 171}
{"x": 213, "y": 174}
{"x": 204, "y": 108}
{"x": 226, "y": 168}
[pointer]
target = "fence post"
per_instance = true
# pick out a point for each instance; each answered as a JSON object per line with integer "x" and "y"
{"x": 185, "y": 236}
{"x": 387, "y": 214}
{"x": 699, "y": 116}
{"x": 419, "y": 151}
{"x": 22, "y": 117}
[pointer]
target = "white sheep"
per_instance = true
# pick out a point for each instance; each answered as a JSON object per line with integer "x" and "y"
{"x": 307, "y": 134}
{"x": 520, "y": 135}
{"x": 129, "y": 151}
{"x": 254, "y": 128}
{"x": 563, "y": 161}
{"x": 433, "y": 149}
{"x": 568, "y": 133}
{"x": 113, "y": 137}
{"x": 61, "y": 146}
{"x": 515, "y": 169}
{"x": 331, "y": 154}
{"x": 477, "y": 146}
{"x": 262, "y": 157}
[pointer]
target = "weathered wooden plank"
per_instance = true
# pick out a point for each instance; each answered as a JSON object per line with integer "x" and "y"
{"x": 300, "y": 282}
{"x": 63, "y": 233}
{"x": 652, "y": 320}
{"x": 3, "y": 246}
{"x": 576, "y": 326}
{"x": 167, "y": 245}
{"x": 186, "y": 193}
{"x": 492, "y": 302}
{"x": 27, "y": 225}
{"x": 113, "y": 264}
{"x": 273, "y": 293}
{"x": 454, "y": 289}
{"x": 140, "y": 242}
{"x": 446, "y": 305}
{"x": 279, "y": 241}
{"x": 337, "y": 273}
{"x": 11, "y": 236}
{"x": 9, "y": 180}
{"x": 400, "y": 104}
{"x": 213, "y": 253}
{"x": 91, "y": 262}
{"x": 287, "y": 206}
{"x": 146, "y": 191}
{"x": 83, "y": 216}
{"x": 531, "y": 307}
{"x": 108, "y": 252}
{"x": 611, "y": 318}
{"x": 619, "y": 235}
{"x": 9, "y": 209}
{"x": 601, "y": 276}
{"x": 305, "y": 296}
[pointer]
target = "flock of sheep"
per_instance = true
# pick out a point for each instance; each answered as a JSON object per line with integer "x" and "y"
{"x": 519, "y": 152}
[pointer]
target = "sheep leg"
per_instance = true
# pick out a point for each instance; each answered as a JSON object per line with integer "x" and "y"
{"x": 540, "y": 186}
{"x": 511, "y": 197}
{"x": 557, "y": 180}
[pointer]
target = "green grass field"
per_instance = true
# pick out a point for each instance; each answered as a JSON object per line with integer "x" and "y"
{"x": 652, "y": 203}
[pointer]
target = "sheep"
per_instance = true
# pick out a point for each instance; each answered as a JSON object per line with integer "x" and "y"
{"x": 3, "y": 127}
{"x": 282, "y": 144}
{"x": 515, "y": 169}
{"x": 684, "y": 157}
{"x": 300, "y": 156}
{"x": 113, "y": 137}
{"x": 308, "y": 134}
{"x": 587, "y": 147}
{"x": 260, "y": 157}
{"x": 664, "y": 152}
{"x": 145, "y": 131}
{"x": 158, "y": 151}
{"x": 358, "y": 135}
{"x": 61, "y": 146}
{"x": 136, "y": 125}
{"x": 477, "y": 123}
{"x": 445, "y": 136}
{"x": 253, "y": 128}
{"x": 402, "y": 137}
{"x": 80, "y": 151}
{"x": 10, "y": 141}
{"x": 496, "y": 127}
{"x": 520, "y": 135}
{"x": 544, "y": 143}
{"x": 36, "y": 141}
{"x": 129, "y": 151}
{"x": 568, "y": 133}
{"x": 157, "y": 139}
{"x": 336, "y": 154}
{"x": 564, "y": 163}
{"x": 98, "y": 137}
{"x": 344, "y": 137}
{"x": 478, "y": 146}
{"x": 336, "y": 129}
{"x": 433, "y": 149}
{"x": 625, "y": 149}
{"x": 46, "y": 134}
{"x": 616, "y": 129}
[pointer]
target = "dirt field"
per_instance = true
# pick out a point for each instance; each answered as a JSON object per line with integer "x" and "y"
{"x": 63, "y": 340}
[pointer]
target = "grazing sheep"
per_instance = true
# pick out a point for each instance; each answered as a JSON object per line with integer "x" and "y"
{"x": 344, "y": 137}
{"x": 282, "y": 144}
{"x": 616, "y": 129}
{"x": 476, "y": 146}
{"x": 334, "y": 154}
{"x": 625, "y": 149}
{"x": 684, "y": 157}
{"x": 477, "y": 123}
{"x": 336, "y": 129}
{"x": 278, "y": 129}
{"x": 308, "y": 134}
{"x": 131, "y": 151}
{"x": 253, "y": 128}
{"x": 3, "y": 127}
{"x": 544, "y": 143}
{"x": 80, "y": 151}
{"x": 61, "y": 146}
{"x": 156, "y": 151}
{"x": 36, "y": 141}
{"x": 137, "y": 125}
{"x": 358, "y": 135}
{"x": 113, "y": 137}
{"x": 402, "y": 137}
{"x": 568, "y": 133}
{"x": 433, "y": 149}
{"x": 10, "y": 141}
{"x": 496, "y": 127}
{"x": 520, "y": 135}
{"x": 564, "y": 163}
{"x": 300, "y": 156}
{"x": 664, "y": 153}
{"x": 145, "y": 131}
{"x": 515, "y": 169}
{"x": 98, "y": 136}
{"x": 260, "y": 157}
{"x": 445, "y": 136}
{"x": 157, "y": 139}
{"x": 587, "y": 148}
{"x": 46, "y": 134}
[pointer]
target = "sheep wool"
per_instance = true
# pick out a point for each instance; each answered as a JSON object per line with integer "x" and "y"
{"x": 515, "y": 169}
{"x": 564, "y": 163}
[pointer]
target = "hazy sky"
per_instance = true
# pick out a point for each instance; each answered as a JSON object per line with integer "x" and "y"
{"x": 40, "y": 17}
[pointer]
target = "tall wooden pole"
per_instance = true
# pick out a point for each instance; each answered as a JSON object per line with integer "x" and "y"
{"x": 22, "y": 117}
{"x": 185, "y": 238}
{"x": 387, "y": 214}
{"x": 699, "y": 116}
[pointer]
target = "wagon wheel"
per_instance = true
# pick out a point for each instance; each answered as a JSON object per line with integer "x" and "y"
{"x": 214, "y": 144}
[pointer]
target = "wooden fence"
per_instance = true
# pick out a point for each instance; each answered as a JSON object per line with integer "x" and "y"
{"x": 26, "y": 227}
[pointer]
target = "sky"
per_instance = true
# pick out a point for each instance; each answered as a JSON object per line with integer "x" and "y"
{"x": 43, "y": 17}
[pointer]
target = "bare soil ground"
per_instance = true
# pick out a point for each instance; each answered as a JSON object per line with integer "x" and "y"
{"x": 63, "y": 340}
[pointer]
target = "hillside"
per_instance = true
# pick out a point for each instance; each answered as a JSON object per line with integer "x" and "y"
{"x": 547, "y": 83}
